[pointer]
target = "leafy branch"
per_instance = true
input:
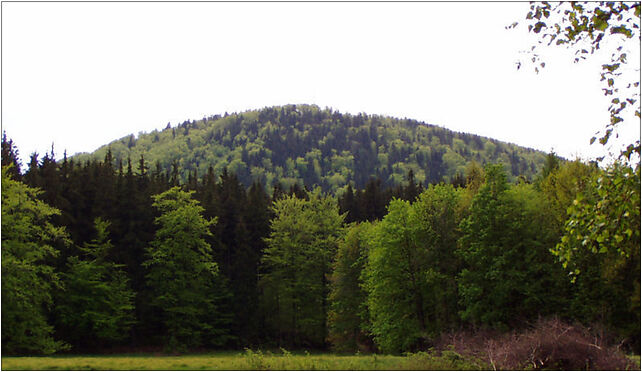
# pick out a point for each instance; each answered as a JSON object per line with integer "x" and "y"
{"x": 587, "y": 27}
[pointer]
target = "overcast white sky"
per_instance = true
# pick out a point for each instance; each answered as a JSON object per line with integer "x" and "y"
{"x": 83, "y": 74}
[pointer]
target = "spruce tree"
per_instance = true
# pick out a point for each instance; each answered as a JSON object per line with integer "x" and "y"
{"x": 10, "y": 156}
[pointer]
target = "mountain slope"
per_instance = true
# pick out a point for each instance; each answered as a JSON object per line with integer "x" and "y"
{"x": 313, "y": 146}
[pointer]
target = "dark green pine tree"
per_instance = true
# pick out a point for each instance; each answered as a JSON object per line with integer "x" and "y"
{"x": 256, "y": 215}
{"x": 32, "y": 175}
{"x": 373, "y": 200}
{"x": 349, "y": 205}
{"x": 10, "y": 156}
{"x": 234, "y": 253}
{"x": 412, "y": 189}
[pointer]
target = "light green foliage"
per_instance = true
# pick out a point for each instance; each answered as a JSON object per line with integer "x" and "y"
{"x": 348, "y": 315}
{"x": 185, "y": 285}
{"x": 27, "y": 279}
{"x": 601, "y": 248}
{"x": 411, "y": 268}
{"x": 508, "y": 272}
{"x": 394, "y": 281}
{"x": 454, "y": 162}
{"x": 438, "y": 214}
{"x": 96, "y": 304}
{"x": 563, "y": 183}
{"x": 302, "y": 243}
{"x": 604, "y": 219}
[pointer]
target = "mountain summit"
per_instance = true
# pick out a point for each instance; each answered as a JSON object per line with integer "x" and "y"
{"x": 312, "y": 146}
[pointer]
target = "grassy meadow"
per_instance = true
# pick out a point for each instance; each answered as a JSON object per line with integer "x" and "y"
{"x": 248, "y": 360}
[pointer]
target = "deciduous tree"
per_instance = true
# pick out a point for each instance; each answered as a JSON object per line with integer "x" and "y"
{"x": 184, "y": 280}
{"x": 27, "y": 275}
{"x": 509, "y": 276}
{"x": 295, "y": 265}
{"x": 348, "y": 314}
{"x": 601, "y": 250}
{"x": 96, "y": 306}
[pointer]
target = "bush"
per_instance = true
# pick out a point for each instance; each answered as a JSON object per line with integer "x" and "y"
{"x": 550, "y": 344}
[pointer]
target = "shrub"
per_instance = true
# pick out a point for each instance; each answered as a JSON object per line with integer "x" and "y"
{"x": 550, "y": 344}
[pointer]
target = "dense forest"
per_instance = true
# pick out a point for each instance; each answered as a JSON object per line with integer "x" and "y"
{"x": 311, "y": 146}
{"x": 107, "y": 254}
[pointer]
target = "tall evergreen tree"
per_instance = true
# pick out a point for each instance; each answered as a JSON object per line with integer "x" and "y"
{"x": 9, "y": 156}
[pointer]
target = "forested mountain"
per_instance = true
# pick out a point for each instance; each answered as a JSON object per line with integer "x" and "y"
{"x": 310, "y": 146}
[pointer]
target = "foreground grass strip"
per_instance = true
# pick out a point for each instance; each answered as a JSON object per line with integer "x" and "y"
{"x": 249, "y": 360}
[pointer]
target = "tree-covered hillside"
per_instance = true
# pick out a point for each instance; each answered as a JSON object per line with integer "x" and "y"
{"x": 308, "y": 145}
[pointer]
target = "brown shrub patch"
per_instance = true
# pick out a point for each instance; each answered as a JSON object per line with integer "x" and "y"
{"x": 549, "y": 344}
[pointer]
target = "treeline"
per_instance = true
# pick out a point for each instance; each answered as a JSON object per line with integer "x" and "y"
{"x": 307, "y": 145}
{"x": 120, "y": 256}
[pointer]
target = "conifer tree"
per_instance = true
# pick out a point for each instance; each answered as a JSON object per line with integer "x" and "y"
{"x": 10, "y": 156}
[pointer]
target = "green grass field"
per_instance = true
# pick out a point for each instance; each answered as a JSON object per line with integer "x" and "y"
{"x": 248, "y": 360}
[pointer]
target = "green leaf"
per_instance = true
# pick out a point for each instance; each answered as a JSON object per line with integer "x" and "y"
{"x": 538, "y": 27}
{"x": 622, "y": 30}
{"x": 611, "y": 68}
{"x": 600, "y": 24}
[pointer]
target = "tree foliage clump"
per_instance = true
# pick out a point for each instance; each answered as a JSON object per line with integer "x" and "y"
{"x": 508, "y": 271}
{"x": 348, "y": 317}
{"x": 295, "y": 267}
{"x": 600, "y": 249}
{"x": 410, "y": 270}
{"x": 96, "y": 306}
{"x": 185, "y": 286}
{"x": 28, "y": 278}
